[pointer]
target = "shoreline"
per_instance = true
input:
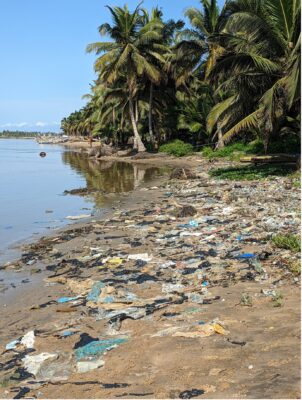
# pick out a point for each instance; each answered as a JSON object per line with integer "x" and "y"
{"x": 160, "y": 160}
{"x": 17, "y": 246}
{"x": 14, "y": 250}
{"x": 146, "y": 221}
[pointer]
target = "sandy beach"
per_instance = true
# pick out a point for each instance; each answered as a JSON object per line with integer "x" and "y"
{"x": 185, "y": 302}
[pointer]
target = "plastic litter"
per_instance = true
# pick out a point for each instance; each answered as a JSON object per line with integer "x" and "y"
{"x": 269, "y": 292}
{"x": 95, "y": 291}
{"x": 75, "y": 217}
{"x": 222, "y": 246}
{"x": 203, "y": 330}
{"x": 143, "y": 256}
{"x": 12, "y": 345}
{"x": 86, "y": 366}
{"x": 67, "y": 333}
{"x": 92, "y": 351}
{"x": 196, "y": 298}
{"x": 167, "y": 264}
{"x": 67, "y": 299}
{"x": 28, "y": 340}
{"x": 49, "y": 366}
{"x": 115, "y": 261}
{"x": 188, "y": 394}
{"x": 193, "y": 223}
{"x": 246, "y": 256}
{"x": 33, "y": 363}
{"x": 23, "y": 390}
{"x": 170, "y": 287}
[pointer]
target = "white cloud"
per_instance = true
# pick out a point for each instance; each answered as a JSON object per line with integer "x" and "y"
{"x": 41, "y": 124}
{"x": 16, "y": 125}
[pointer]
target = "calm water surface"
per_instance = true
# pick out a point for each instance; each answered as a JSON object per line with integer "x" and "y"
{"x": 31, "y": 194}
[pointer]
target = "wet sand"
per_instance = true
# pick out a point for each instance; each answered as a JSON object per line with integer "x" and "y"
{"x": 254, "y": 351}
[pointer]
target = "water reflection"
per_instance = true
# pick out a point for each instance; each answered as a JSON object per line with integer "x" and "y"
{"x": 110, "y": 176}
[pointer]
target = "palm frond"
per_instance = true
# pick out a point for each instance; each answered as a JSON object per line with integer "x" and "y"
{"x": 217, "y": 112}
{"x": 249, "y": 122}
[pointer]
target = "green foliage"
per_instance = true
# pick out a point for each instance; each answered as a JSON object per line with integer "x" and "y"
{"x": 277, "y": 299}
{"x": 294, "y": 267}
{"x": 296, "y": 179}
{"x": 288, "y": 242}
{"x": 231, "y": 74}
{"x": 234, "y": 151}
{"x": 256, "y": 76}
{"x": 246, "y": 300}
{"x": 177, "y": 148}
{"x": 287, "y": 144}
{"x": 250, "y": 172}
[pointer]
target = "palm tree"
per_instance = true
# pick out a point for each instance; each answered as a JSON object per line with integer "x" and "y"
{"x": 205, "y": 23}
{"x": 127, "y": 55}
{"x": 197, "y": 44}
{"x": 257, "y": 74}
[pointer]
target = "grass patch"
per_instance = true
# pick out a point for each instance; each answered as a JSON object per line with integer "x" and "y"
{"x": 297, "y": 184}
{"x": 235, "y": 151}
{"x": 277, "y": 299}
{"x": 288, "y": 242}
{"x": 5, "y": 382}
{"x": 177, "y": 148}
{"x": 294, "y": 267}
{"x": 296, "y": 179}
{"x": 251, "y": 172}
{"x": 246, "y": 300}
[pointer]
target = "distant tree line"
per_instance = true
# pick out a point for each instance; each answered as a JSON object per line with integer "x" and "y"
{"x": 232, "y": 75}
{"x": 19, "y": 134}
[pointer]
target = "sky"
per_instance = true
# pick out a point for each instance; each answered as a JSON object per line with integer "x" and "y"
{"x": 44, "y": 69}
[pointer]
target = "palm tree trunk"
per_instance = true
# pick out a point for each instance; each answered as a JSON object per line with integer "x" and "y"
{"x": 220, "y": 143}
{"x": 136, "y": 111}
{"x": 138, "y": 144}
{"x": 150, "y": 114}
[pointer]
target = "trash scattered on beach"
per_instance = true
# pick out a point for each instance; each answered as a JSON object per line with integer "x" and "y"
{"x": 154, "y": 275}
{"x": 75, "y": 217}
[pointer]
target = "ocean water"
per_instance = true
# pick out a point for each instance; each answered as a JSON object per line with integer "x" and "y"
{"x": 31, "y": 188}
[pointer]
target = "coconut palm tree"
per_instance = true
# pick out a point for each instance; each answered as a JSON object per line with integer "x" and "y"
{"x": 257, "y": 74}
{"x": 205, "y": 23}
{"x": 128, "y": 55}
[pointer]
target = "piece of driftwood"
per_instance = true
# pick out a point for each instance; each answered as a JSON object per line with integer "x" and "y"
{"x": 271, "y": 159}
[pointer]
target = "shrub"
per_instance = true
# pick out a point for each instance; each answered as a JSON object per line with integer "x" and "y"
{"x": 177, "y": 148}
{"x": 235, "y": 151}
{"x": 288, "y": 242}
{"x": 277, "y": 299}
{"x": 294, "y": 267}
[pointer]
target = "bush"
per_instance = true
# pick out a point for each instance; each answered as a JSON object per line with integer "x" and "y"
{"x": 177, "y": 148}
{"x": 235, "y": 151}
{"x": 288, "y": 242}
{"x": 287, "y": 144}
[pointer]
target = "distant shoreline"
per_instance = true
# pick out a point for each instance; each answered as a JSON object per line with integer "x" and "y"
{"x": 17, "y": 137}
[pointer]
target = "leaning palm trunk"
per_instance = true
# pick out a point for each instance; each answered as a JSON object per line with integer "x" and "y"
{"x": 150, "y": 114}
{"x": 138, "y": 144}
{"x": 220, "y": 143}
{"x": 136, "y": 111}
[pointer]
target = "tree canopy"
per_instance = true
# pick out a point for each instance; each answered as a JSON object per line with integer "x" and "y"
{"x": 231, "y": 74}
